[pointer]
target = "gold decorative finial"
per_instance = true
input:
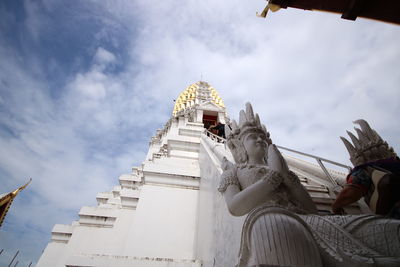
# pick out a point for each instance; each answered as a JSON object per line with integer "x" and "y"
{"x": 7, "y": 199}
{"x": 188, "y": 97}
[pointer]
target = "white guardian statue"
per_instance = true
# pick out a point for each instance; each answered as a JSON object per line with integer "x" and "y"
{"x": 282, "y": 227}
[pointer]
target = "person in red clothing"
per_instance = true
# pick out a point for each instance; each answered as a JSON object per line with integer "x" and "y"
{"x": 376, "y": 175}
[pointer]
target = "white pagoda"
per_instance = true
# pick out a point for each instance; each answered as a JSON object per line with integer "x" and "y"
{"x": 168, "y": 212}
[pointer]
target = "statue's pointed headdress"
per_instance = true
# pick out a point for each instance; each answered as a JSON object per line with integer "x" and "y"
{"x": 248, "y": 122}
{"x": 367, "y": 146}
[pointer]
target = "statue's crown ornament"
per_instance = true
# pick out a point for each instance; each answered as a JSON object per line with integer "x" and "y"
{"x": 369, "y": 146}
{"x": 248, "y": 123}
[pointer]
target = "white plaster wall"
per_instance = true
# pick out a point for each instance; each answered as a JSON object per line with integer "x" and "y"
{"x": 125, "y": 261}
{"x": 199, "y": 115}
{"x": 221, "y": 117}
{"x": 52, "y": 254}
{"x": 153, "y": 148}
{"x": 188, "y": 167}
{"x": 162, "y": 229}
{"x": 90, "y": 240}
{"x": 103, "y": 241}
{"x": 218, "y": 232}
{"x": 165, "y": 223}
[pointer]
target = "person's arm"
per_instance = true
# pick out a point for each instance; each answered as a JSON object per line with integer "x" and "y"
{"x": 348, "y": 195}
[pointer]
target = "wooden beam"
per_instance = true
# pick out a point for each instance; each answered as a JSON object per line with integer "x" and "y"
{"x": 353, "y": 9}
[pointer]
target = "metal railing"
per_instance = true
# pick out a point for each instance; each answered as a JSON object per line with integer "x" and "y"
{"x": 320, "y": 163}
{"x": 319, "y": 160}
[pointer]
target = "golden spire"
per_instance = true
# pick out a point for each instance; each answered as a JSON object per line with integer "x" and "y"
{"x": 190, "y": 96}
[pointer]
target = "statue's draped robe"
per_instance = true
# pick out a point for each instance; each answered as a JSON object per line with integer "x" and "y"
{"x": 280, "y": 233}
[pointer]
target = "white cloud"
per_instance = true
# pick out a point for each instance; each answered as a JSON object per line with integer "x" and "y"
{"x": 103, "y": 56}
{"x": 59, "y": 144}
{"x": 308, "y": 73}
{"x": 91, "y": 84}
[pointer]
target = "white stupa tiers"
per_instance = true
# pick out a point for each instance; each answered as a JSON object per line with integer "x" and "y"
{"x": 168, "y": 212}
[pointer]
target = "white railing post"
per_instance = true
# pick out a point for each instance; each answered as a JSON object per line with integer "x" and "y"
{"x": 215, "y": 137}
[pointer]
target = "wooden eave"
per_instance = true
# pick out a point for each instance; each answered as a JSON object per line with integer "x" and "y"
{"x": 383, "y": 10}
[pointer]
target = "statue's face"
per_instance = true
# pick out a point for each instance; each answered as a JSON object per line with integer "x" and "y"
{"x": 255, "y": 144}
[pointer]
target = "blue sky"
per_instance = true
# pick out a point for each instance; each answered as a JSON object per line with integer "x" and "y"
{"x": 85, "y": 84}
